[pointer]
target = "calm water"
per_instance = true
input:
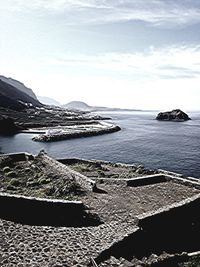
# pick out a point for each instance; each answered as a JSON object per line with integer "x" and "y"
{"x": 143, "y": 140}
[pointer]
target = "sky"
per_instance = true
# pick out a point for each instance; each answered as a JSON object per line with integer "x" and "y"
{"x": 142, "y": 54}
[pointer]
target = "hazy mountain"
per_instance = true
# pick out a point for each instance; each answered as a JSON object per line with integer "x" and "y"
{"x": 48, "y": 101}
{"x": 13, "y": 98}
{"x": 78, "y": 105}
{"x": 19, "y": 86}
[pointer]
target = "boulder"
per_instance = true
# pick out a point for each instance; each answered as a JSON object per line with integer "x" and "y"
{"x": 7, "y": 125}
{"x": 174, "y": 115}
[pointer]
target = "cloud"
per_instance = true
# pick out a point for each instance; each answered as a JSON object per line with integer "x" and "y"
{"x": 169, "y": 63}
{"x": 157, "y": 12}
{"x": 53, "y": 5}
{"x": 158, "y": 79}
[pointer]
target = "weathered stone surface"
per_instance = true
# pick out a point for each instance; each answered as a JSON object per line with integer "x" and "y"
{"x": 174, "y": 115}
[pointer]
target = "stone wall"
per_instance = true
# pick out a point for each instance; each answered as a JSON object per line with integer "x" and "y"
{"x": 162, "y": 177}
{"x": 173, "y": 229}
{"x": 18, "y": 156}
{"x": 37, "y": 211}
{"x": 85, "y": 182}
{"x": 147, "y": 180}
{"x": 69, "y": 161}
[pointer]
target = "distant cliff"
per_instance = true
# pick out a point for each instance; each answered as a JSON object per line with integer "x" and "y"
{"x": 19, "y": 85}
{"x": 174, "y": 115}
{"x": 13, "y": 98}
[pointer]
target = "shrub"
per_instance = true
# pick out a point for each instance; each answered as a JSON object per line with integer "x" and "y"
{"x": 32, "y": 183}
{"x": 101, "y": 173}
{"x": 14, "y": 182}
{"x": 6, "y": 169}
{"x": 11, "y": 174}
{"x": 43, "y": 180}
{"x": 10, "y": 187}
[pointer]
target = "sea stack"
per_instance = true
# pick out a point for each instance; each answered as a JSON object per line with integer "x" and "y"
{"x": 174, "y": 115}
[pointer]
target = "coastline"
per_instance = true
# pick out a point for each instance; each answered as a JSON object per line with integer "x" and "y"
{"x": 54, "y": 124}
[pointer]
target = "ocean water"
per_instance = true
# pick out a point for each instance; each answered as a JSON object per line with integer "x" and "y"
{"x": 173, "y": 146}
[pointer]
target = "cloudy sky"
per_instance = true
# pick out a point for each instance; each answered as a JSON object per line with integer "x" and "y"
{"x": 118, "y": 53}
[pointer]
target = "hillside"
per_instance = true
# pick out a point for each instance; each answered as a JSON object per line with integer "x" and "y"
{"x": 78, "y": 105}
{"x": 48, "y": 101}
{"x": 82, "y": 106}
{"x": 13, "y": 98}
{"x": 19, "y": 86}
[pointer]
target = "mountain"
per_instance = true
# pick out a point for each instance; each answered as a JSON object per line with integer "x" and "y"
{"x": 82, "y": 106}
{"x": 48, "y": 101}
{"x": 13, "y": 98}
{"x": 78, "y": 105}
{"x": 20, "y": 86}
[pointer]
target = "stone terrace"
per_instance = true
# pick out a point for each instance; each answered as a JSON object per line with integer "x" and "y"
{"x": 117, "y": 205}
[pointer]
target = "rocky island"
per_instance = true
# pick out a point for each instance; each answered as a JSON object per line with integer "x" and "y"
{"x": 174, "y": 115}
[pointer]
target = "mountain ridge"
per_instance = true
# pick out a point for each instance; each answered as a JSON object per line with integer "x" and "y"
{"x": 82, "y": 106}
{"x": 13, "y": 98}
{"x": 19, "y": 85}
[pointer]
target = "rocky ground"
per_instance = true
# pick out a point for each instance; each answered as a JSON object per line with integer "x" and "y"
{"x": 116, "y": 204}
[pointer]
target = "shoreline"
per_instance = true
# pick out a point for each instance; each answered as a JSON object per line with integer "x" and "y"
{"x": 55, "y": 124}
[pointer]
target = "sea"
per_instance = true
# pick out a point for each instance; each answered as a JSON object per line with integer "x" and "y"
{"x": 168, "y": 145}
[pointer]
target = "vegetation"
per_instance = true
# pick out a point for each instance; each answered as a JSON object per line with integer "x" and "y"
{"x": 192, "y": 262}
{"x": 33, "y": 178}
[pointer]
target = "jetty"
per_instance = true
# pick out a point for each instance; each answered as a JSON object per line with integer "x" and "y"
{"x": 74, "y": 131}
